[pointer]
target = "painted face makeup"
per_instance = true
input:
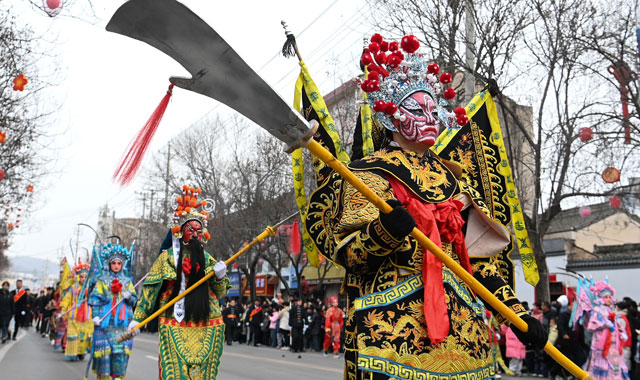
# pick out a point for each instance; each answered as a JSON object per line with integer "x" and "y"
{"x": 419, "y": 123}
{"x": 191, "y": 229}
{"x": 116, "y": 266}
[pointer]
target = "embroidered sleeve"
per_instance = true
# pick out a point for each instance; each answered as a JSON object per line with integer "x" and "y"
{"x": 151, "y": 288}
{"x": 487, "y": 273}
{"x": 147, "y": 301}
{"x": 67, "y": 301}
{"x": 98, "y": 296}
{"x": 357, "y": 211}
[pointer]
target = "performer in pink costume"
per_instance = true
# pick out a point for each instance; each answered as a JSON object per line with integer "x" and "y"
{"x": 606, "y": 361}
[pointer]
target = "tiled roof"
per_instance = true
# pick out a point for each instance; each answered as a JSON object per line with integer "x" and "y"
{"x": 571, "y": 220}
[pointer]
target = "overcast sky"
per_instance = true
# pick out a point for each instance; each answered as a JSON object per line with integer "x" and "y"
{"x": 109, "y": 85}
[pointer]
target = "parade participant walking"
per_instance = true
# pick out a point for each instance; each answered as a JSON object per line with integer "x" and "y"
{"x": 7, "y": 310}
{"x": 78, "y": 313}
{"x": 254, "y": 319}
{"x": 20, "y": 300}
{"x": 46, "y": 311}
{"x": 191, "y": 333}
{"x": 333, "y": 323}
{"x": 404, "y": 305}
{"x": 296, "y": 321}
{"x": 231, "y": 317}
{"x": 606, "y": 360}
{"x": 112, "y": 300}
{"x": 61, "y": 323}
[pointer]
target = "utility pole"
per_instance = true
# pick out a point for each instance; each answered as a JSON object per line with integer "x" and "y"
{"x": 77, "y": 238}
{"x": 166, "y": 185}
{"x": 151, "y": 205}
{"x": 470, "y": 39}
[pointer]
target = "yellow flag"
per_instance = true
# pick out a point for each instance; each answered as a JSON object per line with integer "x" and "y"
{"x": 483, "y": 120}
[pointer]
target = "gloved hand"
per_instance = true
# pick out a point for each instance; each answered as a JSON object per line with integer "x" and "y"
{"x": 131, "y": 327}
{"x": 221, "y": 269}
{"x": 535, "y": 335}
{"x": 398, "y": 223}
{"x": 96, "y": 321}
{"x": 126, "y": 295}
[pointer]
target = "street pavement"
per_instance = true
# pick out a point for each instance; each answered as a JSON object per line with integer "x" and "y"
{"x": 32, "y": 357}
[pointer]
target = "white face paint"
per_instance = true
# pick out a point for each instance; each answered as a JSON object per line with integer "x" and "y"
{"x": 420, "y": 122}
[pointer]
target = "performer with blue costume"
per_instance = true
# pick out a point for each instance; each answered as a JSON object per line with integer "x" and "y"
{"x": 112, "y": 300}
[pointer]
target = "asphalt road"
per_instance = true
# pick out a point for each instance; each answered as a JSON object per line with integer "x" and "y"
{"x": 33, "y": 358}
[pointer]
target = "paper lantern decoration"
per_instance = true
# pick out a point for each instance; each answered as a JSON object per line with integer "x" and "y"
{"x": 585, "y": 211}
{"x": 30, "y": 189}
{"x": 3, "y": 136}
{"x": 614, "y": 201}
{"x": 1, "y": 174}
{"x": 52, "y": 7}
{"x": 10, "y": 226}
{"x": 19, "y": 82}
{"x": 611, "y": 175}
{"x": 585, "y": 134}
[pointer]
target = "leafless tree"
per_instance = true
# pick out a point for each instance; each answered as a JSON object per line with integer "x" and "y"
{"x": 554, "y": 56}
{"x": 23, "y": 117}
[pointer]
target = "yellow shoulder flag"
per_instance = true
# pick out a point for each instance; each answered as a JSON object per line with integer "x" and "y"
{"x": 309, "y": 102}
{"x": 66, "y": 277}
{"x": 479, "y": 148}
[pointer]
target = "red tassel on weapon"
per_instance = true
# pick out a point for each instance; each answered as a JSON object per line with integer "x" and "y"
{"x": 294, "y": 239}
{"x": 132, "y": 160}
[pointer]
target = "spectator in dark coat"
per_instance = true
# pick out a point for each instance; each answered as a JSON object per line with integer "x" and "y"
{"x": 20, "y": 300}
{"x": 7, "y": 310}
{"x": 296, "y": 321}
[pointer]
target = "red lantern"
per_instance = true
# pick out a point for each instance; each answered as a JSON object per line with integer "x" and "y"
{"x": 585, "y": 211}
{"x": 611, "y": 175}
{"x": 52, "y": 7}
{"x": 30, "y": 189}
{"x": 614, "y": 201}
{"x": 19, "y": 82}
{"x": 3, "y": 136}
{"x": 585, "y": 134}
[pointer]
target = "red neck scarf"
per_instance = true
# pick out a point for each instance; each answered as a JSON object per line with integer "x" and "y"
{"x": 439, "y": 222}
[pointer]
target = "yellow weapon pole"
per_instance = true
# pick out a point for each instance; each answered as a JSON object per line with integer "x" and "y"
{"x": 326, "y": 156}
{"x": 269, "y": 231}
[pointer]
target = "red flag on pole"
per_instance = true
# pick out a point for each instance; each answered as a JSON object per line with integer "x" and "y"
{"x": 294, "y": 240}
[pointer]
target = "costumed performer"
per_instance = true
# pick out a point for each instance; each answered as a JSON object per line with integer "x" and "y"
{"x": 606, "y": 359}
{"x": 333, "y": 323}
{"x": 113, "y": 287}
{"x": 66, "y": 282}
{"x": 409, "y": 316}
{"x": 192, "y": 332}
{"x": 78, "y": 314}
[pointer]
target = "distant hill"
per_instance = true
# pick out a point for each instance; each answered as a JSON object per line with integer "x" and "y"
{"x": 33, "y": 265}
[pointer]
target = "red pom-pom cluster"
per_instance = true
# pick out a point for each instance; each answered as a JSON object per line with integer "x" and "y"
{"x": 410, "y": 43}
{"x": 461, "y": 115}
{"x": 386, "y": 107}
{"x": 380, "y": 52}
